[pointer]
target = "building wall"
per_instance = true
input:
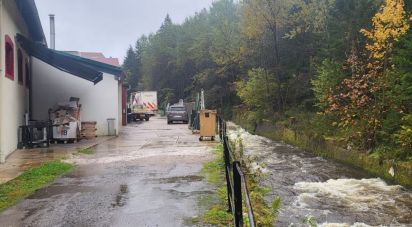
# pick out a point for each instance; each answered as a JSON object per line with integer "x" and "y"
{"x": 13, "y": 96}
{"x": 99, "y": 102}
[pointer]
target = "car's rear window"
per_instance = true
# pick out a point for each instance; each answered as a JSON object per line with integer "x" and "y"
{"x": 179, "y": 108}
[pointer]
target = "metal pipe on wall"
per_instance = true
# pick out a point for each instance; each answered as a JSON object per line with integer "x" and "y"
{"x": 2, "y": 157}
{"x": 52, "y": 32}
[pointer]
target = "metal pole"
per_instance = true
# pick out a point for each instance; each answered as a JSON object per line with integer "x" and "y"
{"x": 220, "y": 124}
{"x": 52, "y": 32}
{"x": 202, "y": 99}
{"x": 237, "y": 185}
{"x": 31, "y": 78}
{"x": 248, "y": 203}
{"x": 227, "y": 167}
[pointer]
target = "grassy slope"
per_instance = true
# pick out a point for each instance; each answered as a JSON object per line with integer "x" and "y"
{"x": 216, "y": 204}
{"x": 27, "y": 183}
{"x": 216, "y": 213}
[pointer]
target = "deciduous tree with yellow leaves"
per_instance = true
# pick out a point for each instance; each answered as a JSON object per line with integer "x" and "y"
{"x": 389, "y": 24}
{"x": 362, "y": 101}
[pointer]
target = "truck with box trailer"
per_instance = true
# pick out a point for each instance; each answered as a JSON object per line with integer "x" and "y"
{"x": 143, "y": 105}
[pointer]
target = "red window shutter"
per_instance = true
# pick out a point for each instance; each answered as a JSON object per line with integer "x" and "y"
{"x": 9, "y": 57}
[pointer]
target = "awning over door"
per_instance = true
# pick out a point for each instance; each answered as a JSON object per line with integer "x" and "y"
{"x": 60, "y": 61}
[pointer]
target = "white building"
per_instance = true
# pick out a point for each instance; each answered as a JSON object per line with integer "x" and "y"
{"x": 99, "y": 102}
{"x": 15, "y": 68}
{"x": 34, "y": 78}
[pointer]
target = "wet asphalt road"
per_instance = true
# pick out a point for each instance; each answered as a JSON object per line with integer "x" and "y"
{"x": 148, "y": 176}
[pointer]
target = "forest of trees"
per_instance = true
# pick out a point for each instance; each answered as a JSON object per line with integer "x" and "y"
{"x": 341, "y": 67}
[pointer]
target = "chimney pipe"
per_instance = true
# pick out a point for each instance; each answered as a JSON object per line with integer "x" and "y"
{"x": 52, "y": 32}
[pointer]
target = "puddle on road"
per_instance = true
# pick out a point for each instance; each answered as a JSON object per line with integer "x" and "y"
{"x": 179, "y": 179}
{"x": 165, "y": 143}
{"x": 157, "y": 129}
{"x": 181, "y": 194}
{"x": 54, "y": 190}
{"x": 121, "y": 196}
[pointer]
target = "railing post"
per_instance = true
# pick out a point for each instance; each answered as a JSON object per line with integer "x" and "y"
{"x": 220, "y": 128}
{"x": 234, "y": 181}
{"x": 226, "y": 158}
{"x": 237, "y": 185}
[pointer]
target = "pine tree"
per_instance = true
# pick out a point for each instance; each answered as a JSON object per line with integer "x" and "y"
{"x": 130, "y": 67}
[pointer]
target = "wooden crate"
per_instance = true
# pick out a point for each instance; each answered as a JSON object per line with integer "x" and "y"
{"x": 88, "y": 130}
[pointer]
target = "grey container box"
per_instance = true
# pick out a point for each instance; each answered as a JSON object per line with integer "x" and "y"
{"x": 111, "y": 126}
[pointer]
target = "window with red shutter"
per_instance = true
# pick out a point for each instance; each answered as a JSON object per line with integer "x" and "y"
{"x": 9, "y": 57}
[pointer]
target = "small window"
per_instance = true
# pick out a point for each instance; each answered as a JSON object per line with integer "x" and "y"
{"x": 20, "y": 66}
{"x": 177, "y": 108}
{"x": 28, "y": 77}
{"x": 9, "y": 56}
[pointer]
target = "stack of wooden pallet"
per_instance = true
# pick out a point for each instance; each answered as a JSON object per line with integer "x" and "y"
{"x": 88, "y": 130}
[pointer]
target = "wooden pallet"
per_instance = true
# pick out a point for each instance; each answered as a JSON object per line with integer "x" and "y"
{"x": 88, "y": 130}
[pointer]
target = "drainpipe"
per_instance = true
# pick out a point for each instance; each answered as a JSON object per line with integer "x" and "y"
{"x": 52, "y": 32}
{"x": 2, "y": 158}
{"x": 31, "y": 89}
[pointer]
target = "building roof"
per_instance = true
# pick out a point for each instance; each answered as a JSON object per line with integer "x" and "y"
{"x": 96, "y": 56}
{"x": 91, "y": 55}
{"x": 110, "y": 61}
{"x": 100, "y": 64}
{"x": 28, "y": 11}
{"x": 70, "y": 61}
{"x": 63, "y": 61}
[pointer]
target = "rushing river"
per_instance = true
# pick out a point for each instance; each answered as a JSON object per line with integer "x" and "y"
{"x": 331, "y": 193}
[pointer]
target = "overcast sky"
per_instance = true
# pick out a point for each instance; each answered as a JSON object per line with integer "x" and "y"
{"x": 109, "y": 26}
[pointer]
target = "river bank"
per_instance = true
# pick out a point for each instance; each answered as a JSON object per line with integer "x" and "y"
{"x": 321, "y": 190}
{"x": 333, "y": 149}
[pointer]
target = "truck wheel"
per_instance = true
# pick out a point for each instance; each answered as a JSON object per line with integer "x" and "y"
{"x": 213, "y": 138}
{"x": 147, "y": 118}
{"x": 201, "y": 138}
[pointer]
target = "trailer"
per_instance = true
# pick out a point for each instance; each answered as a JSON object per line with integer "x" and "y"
{"x": 143, "y": 105}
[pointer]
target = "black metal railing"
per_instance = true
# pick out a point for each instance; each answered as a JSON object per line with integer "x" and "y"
{"x": 235, "y": 181}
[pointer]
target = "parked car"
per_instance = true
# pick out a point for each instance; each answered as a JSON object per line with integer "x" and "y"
{"x": 177, "y": 113}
